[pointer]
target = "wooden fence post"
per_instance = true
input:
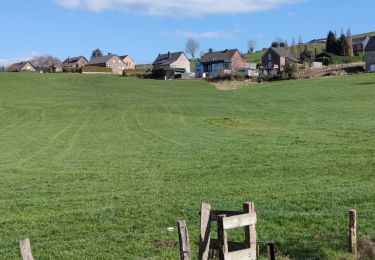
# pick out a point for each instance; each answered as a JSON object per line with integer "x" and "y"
{"x": 271, "y": 250}
{"x": 205, "y": 238}
{"x": 250, "y": 231}
{"x": 26, "y": 249}
{"x": 353, "y": 231}
{"x": 183, "y": 235}
{"x": 222, "y": 237}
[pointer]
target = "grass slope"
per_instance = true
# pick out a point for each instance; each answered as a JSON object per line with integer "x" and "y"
{"x": 100, "y": 166}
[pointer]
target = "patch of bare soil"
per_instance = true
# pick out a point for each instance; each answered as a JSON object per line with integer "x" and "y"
{"x": 366, "y": 249}
{"x": 165, "y": 244}
{"x": 226, "y": 85}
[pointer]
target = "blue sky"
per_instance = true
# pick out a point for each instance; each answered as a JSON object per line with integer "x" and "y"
{"x": 143, "y": 29}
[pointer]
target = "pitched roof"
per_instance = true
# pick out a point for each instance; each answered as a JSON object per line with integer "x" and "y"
{"x": 167, "y": 58}
{"x": 19, "y": 66}
{"x": 284, "y": 52}
{"x": 123, "y": 57}
{"x": 218, "y": 56}
{"x": 359, "y": 39}
{"x": 74, "y": 59}
{"x": 102, "y": 60}
{"x": 371, "y": 44}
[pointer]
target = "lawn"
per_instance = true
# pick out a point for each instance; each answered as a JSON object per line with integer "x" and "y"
{"x": 100, "y": 166}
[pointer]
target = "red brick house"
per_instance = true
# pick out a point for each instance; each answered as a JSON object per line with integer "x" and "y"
{"x": 275, "y": 59}
{"x": 220, "y": 63}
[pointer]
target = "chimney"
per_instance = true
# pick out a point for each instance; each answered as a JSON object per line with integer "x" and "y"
{"x": 169, "y": 55}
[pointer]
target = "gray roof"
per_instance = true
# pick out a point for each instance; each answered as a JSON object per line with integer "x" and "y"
{"x": 73, "y": 60}
{"x": 360, "y": 39}
{"x": 19, "y": 66}
{"x": 100, "y": 60}
{"x": 123, "y": 57}
{"x": 284, "y": 52}
{"x": 167, "y": 58}
{"x": 218, "y": 56}
{"x": 371, "y": 44}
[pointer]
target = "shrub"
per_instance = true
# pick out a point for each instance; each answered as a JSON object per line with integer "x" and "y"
{"x": 159, "y": 73}
{"x": 96, "y": 69}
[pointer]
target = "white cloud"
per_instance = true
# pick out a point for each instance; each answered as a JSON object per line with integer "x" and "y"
{"x": 200, "y": 35}
{"x": 177, "y": 8}
{"x": 9, "y": 61}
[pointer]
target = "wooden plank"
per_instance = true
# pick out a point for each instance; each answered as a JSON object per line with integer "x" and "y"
{"x": 185, "y": 252}
{"x": 250, "y": 231}
{"x": 247, "y": 254}
{"x": 271, "y": 251}
{"x": 222, "y": 237}
{"x": 215, "y": 213}
{"x": 204, "y": 243}
{"x": 353, "y": 231}
{"x": 25, "y": 248}
{"x": 238, "y": 221}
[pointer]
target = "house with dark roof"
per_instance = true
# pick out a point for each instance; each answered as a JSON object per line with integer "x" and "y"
{"x": 111, "y": 61}
{"x": 275, "y": 59}
{"x": 128, "y": 61}
{"x": 360, "y": 43}
{"x": 221, "y": 63}
{"x": 24, "y": 66}
{"x": 370, "y": 54}
{"x": 73, "y": 64}
{"x": 172, "y": 61}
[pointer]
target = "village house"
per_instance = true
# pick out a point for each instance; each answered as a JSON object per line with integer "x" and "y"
{"x": 24, "y": 66}
{"x": 370, "y": 54}
{"x": 360, "y": 43}
{"x": 111, "y": 61}
{"x": 172, "y": 61}
{"x": 73, "y": 64}
{"x": 128, "y": 61}
{"x": 220, "y": 63}
{"x": 275, "y": 59}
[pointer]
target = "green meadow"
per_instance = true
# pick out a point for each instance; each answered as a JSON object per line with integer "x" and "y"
{"x": 98, "y": 166}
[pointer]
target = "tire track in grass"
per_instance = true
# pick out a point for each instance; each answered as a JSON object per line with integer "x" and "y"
{"x": 71, "y": 144}
{"x": 50, "y": 142}
{"x": 19, "y": 121}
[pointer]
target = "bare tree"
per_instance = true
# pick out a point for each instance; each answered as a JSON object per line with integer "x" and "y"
{"x": 251, "y": 44}
{"x": 349, "y": 38}
{"x": 45, "y": 61}
{"x": 192, "y": 47}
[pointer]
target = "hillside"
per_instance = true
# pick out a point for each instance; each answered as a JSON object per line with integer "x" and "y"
{"x": 99, "y": 166}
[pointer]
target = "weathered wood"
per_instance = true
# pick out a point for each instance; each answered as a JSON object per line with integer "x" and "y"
{"x": 238, "y": 221}
{"x": 271, "y": 250}
{"x": 247, "y": 254}
{"x": 204, "y": 244}
{"x": 353, "y": 231}
{"x": 222, "y": 237}
{"x": 25, "y": 248}
{"x": 250, "y": 231}
{"x": 185, "y": 252}
{"x": 215, "y": 213}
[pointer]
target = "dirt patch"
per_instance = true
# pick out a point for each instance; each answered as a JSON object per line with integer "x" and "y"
{"x": 232, "y": 85}
{"x": 165, "y": 244}
{"x": 366, "y": 249}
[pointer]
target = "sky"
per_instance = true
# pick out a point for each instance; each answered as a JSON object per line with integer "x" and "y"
{"x": 145, "y": 28}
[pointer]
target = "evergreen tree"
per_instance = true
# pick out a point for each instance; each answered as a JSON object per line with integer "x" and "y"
{"x": 96, "y": 53}
{"x": 331, "y": 45}
{"x": 342, "y": 45}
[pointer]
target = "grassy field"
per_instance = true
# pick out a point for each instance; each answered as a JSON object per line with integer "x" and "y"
{"x": 100, "y": 166}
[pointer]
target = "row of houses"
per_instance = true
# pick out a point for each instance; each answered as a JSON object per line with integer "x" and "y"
{"x": 212, "y": 64}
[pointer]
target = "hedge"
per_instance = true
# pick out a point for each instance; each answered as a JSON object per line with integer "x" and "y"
{"x": 96, "y": 69}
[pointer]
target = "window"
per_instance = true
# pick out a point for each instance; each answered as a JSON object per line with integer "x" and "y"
{"x": 269, "y": 56}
